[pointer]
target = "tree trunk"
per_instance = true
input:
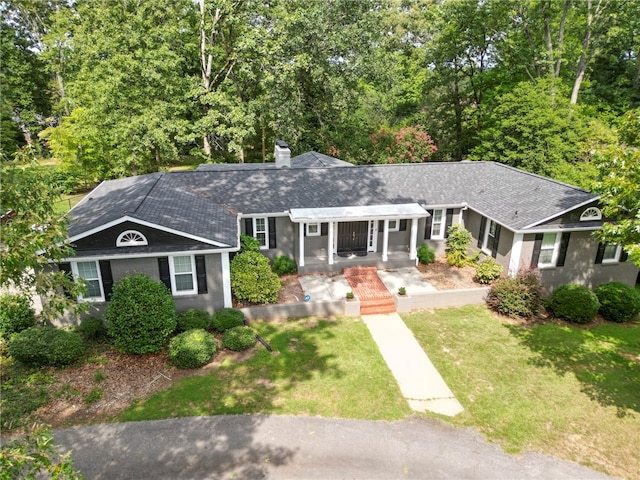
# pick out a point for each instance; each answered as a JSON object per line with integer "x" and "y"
{"x": 264, "y": 145}
{"x": 565, "y": 11}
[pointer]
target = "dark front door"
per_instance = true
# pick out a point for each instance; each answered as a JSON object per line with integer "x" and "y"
{"x": 352, "y": 237}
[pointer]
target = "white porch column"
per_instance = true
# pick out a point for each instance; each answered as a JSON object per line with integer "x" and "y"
{"x": 330, "y": 244}
{"x": 301, "y": 245}
{"x": 414, "y": 239}
{"x": 516, "y": 252}
{"x": 226, "y": 280}
{"x": 385, "y": 241}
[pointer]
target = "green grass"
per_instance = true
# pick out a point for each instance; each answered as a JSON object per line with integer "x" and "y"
{"x": 564, "y": 390}
{"x": 318, "y": 367}
{"x": 64, "y": 204}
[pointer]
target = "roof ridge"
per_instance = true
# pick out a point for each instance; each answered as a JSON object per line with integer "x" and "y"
{"x": 146, "y": 195}
{"x": 541, "y": 177}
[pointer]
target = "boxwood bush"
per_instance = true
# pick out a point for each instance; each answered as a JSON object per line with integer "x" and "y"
{"x": 283, "y": 265}
{"x": 252, "y": 279}
{"x": 41, "y": 346}
{"x": 141, "y": 315}
{"x": 458, "y": 241}
{"x": 192, "y": 349}
{"x": 239, "y": 338}
{"x": 426, "y": 254}
{"x": 618, "y": 301}
{"x": 575, "y": 303}
{"x": 193, "y": 318}
{"x": 519, "y": 297}
{"x": 16, "y": 314}
{"x": 92, "y": 328}
{"x": 227, "y": 318}
{"x": 487, "y": 271}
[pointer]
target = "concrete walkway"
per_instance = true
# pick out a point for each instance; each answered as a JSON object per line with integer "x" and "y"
{"x": 419, "y": 381}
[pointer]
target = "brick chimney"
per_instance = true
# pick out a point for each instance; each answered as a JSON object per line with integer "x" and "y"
{"x": 282, "y": 154}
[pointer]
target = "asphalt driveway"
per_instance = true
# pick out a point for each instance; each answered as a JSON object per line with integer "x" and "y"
{"x": 263, "y": 446}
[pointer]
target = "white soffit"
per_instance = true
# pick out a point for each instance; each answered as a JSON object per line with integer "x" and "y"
{"x": 368, "y": 212}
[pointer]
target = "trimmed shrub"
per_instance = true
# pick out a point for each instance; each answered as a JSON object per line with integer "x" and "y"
{"x": 141, "y": 315}
{"x": 41, "y": 346}
{"x": 227, "y": 318}
{"x": 193, "y": 318}
{"x": 458, "y": 242}
{"x": 249, "y": 243}
{"x": 519, "y": 297}
{"x": 92, "y": 328}
{"x": 16, "y": 314}
{"x": 487, "y": 271}
{"x": 426, "y": 254}
{"x": 239, "y": 338}
{"x": 192, "y": 349}
{"x": 252, "y": 279}
{"x": 618, "y": 301}
{"x": 283, "y": 265}
{"x": 575, "y": 303}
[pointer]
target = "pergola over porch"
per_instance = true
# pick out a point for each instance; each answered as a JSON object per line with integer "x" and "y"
{"x": 334, "y": 216}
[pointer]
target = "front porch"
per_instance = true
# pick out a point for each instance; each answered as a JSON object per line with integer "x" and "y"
{"x": 319, "y": 263}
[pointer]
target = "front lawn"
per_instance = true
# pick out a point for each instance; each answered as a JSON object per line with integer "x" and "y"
{"x": 318, "y": 367}
{"x": 568, "y": 391}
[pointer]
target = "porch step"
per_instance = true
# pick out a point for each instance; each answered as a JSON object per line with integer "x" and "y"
{"x": 369, "y": 289}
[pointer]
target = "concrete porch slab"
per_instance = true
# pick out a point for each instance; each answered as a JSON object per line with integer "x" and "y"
{"x": 408, "y": 277}
{"x": 322, "y": 287}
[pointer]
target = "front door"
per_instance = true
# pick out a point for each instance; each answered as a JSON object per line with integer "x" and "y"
{"x": 353, "y": 237}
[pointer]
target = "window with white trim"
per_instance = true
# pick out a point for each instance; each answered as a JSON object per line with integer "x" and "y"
{"x": 394, "y": 225}
{"x": 89, "y": 272}
{"x": 611, "y": 253}
{"x": 131, "y": 238}
{"x": 182, "y": 269}
{"x": 313, "y": 229}
{"x": 489, "y": 237}
{"x": 437, "y": 224}
{"x": 549, "y": 249}
{"x": 261, "y": 231}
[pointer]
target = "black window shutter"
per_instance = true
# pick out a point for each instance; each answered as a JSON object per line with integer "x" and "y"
{"x": 427, "y": 225}
{"x": 66, "y": 268}
{"x": 381, "y": 225}
{"x": 483, "y": 225}
{"x": 564, "y": 245}
{"x": 448, "y": 222}
{"x": 324, "y": 229}
{"x": 623, "y": 256}
{"x": 496, "y": 240}
{"x": 403, "y": 225}
{"x": 600, "y": 253}
{"x": 201, "y": 274}
{"x": 107, "y": 278}
{"x": 248, "y": 226}
{"x": 163, "y": 267}
{"x": 272, "y": 232}
{"x": 537, "y": 246}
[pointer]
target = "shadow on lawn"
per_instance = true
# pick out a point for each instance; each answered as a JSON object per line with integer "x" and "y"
{"x": 604, "y": 359}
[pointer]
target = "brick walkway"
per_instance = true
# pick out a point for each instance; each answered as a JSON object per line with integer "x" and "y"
{"x": 369, "y": 289}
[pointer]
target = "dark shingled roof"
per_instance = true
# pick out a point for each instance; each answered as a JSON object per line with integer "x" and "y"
{"x": 204, "y": 203}
{"x": 306, "y": 160}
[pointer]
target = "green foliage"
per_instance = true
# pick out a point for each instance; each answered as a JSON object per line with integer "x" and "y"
{"x": 227, "y": 318}
{"x": 35, "y": 455}
{"x": 519, "y": 297}
{"x": 192, "y": 349}
{"x": 141, "y": 315}
{"x": 618, "y": 302}
{"x": 22, "y": 390}
{"x": 488, "y": 270}
{"x": 426, "y": 254}
{"x": 94, "y": 395}
{"x": 457, "y": 245}
{"x": 92, "y": 328}
{"x": 252, "y": 279}
{"x": 575, "y": 303}
{"x": 402, "y": 291}
{"x": 249, "y": 243}
{"x": 193, "y": 318}
{"x": 40, "y": 346}
{"x": 16, "y": 314}
{"x": 350, "y": 296}
{"x": 282, "y": 265}
{"x": 239, "y": 338}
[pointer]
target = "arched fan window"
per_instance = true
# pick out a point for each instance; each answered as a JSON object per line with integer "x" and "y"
{"x": 131, "y": 238}
{"x": 591, "y": 213}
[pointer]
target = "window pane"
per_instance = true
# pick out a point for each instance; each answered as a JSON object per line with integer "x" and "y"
{"x": 610, "y": 252}
{"x": 260, "y": 225}
{"x": 313, "y": 228}
{"x": 184, "y": 282}
{"x": 437, "y": 216}
{"x": 492, "y": 228}
{"x": 546, "y": 256}
{"x": 262, "y": 238}
{"x": 182, "y": 264}
{"x": 87, "y": 270}
{"x": 435, "y": 230}
{"x": 549, "y": 240}
{"x": 93, "y": 288}
{"x": 393, "y": 224}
